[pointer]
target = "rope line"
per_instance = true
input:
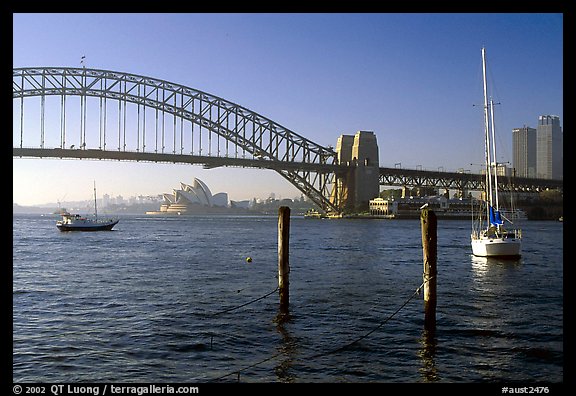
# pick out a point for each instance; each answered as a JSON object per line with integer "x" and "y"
{"x": 336, "y": 350}
{"x": 240, "y": 306}
{"x": 417, "y": 292}
{"x": 200, "y": 314}
{"x": 247, "y": 367}
{"x": 339, "y": 349}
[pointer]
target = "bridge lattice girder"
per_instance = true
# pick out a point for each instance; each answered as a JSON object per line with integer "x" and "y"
{"x": 461, "y": 181}
{"x": 250, "y": 134}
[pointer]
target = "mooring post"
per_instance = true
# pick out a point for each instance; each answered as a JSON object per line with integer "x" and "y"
{"x": 429, "y": 248}
{"x": 283, "y": 253}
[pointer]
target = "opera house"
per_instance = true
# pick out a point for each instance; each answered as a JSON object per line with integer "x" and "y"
{"x": 192, "y": 198}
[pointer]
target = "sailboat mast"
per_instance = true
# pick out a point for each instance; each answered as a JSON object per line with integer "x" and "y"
{"x": 494, "y": 154}
{"x": 486, "y": 137}
{"x": 95, "y": 208}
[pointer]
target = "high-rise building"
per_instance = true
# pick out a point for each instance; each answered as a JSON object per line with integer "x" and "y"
{"x": 549, "y": 143}
{"x": 524, "y": 152}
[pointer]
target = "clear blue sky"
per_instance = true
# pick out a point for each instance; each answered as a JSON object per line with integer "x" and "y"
{"x": 411, "y": 78}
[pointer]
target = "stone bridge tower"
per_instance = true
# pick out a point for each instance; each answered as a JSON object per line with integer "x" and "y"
{"x": 353, "y": 190}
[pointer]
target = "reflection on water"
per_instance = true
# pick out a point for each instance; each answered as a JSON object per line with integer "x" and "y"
{"x": 287, "y": 349}
{"x": 427, "y": 354}
{"x": 481, "y": 265}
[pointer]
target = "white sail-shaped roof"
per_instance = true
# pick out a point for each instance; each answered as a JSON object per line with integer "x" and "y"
{"x": 196, "y": 193}
{"x": 220, "y": 199}
{"x": 169, "y": 198}
{"x": 199, "y": 184}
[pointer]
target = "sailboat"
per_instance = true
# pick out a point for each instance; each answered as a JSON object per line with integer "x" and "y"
{"x": 76, "y": 222}
{"x": 489, "y": 236}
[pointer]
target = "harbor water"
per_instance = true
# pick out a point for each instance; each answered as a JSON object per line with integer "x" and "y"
{"x": 194, "y": 300}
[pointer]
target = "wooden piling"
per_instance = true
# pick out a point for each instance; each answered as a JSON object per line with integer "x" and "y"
{"x": 429, "y": 248}
{"x": 283, "y": 254}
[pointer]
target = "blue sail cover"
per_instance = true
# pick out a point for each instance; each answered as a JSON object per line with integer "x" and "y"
{"x": 495, "y": 218}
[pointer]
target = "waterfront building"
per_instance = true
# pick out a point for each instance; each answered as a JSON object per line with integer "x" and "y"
{"x": 383, "y": 207}
{"x": 443, "y": 207}
{"x": 411, "y": 208}
{"x": 245, "y": 204}
{"x": 192, "y": 198}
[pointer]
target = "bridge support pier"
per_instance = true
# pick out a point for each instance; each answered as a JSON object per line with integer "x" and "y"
{"x": 354, "y": 189}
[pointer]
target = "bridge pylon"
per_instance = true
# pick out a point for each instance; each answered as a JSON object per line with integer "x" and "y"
{"x": 353, "y": 189}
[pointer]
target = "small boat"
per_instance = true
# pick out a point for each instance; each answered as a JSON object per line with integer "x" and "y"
{"x": 76, "y": 222}
{"x": 314, "y": 214}
{"x": 489, "y": 236}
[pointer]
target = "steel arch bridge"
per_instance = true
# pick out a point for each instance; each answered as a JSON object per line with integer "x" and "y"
{"x": 103, "y": 114}
{"x": 100, "y": 114}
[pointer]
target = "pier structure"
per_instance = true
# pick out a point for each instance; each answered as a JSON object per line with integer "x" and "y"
{"x": 354, "y": 188}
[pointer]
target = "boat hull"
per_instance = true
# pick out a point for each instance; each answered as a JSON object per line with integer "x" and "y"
{"x": 496, "y": 247}
{"x": 86, "y": 227}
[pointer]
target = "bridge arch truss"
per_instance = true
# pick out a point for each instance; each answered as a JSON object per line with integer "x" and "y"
{"x": 92, "y": 113}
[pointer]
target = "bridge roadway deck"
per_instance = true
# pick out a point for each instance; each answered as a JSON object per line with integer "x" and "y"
{"x": 388, "y": 176}
{"x": 208, "y": 161}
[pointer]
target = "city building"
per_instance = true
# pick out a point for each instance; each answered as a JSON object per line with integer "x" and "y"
{"x": 537, "y": 153}
{"x": 383, "y": 207}
{"x": 549, "y": 143}
{"x": 443, "y": 207}
{"x": 524, "y": 151}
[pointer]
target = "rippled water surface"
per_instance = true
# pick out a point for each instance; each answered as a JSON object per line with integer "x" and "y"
{"x": 175, "y": 300}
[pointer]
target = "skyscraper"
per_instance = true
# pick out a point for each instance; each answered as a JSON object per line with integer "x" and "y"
{"x": 524, "y": 151}
{"x": 549, "y": 142}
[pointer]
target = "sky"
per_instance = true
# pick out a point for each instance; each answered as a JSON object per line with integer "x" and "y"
{"x": 414, "y": 79}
